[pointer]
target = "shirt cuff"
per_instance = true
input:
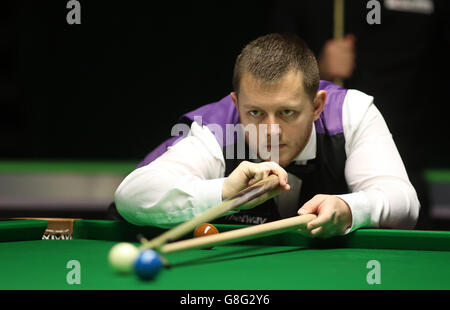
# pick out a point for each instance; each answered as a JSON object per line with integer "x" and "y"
{"x": 360, "y": 209}
{"x": 210, "y": 194}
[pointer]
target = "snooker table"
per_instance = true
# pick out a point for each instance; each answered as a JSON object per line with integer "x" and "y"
{"x": 288, "y": 261}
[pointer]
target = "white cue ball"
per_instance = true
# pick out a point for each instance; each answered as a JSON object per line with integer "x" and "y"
{"x": 122, "y": 257}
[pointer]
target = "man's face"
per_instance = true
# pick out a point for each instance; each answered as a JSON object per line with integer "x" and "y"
{"x": 284, "y": 103}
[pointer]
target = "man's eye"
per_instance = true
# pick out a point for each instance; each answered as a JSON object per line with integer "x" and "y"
{"x": 287, "y": 112}
{"x": 254, "y": 113}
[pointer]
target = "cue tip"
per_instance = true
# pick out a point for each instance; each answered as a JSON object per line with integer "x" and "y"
{"x": 165, "y": 261}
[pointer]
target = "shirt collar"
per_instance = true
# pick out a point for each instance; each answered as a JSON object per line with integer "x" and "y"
{"x": 309, "y": 152}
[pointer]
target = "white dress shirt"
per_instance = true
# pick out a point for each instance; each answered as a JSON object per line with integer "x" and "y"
{"x": 188, "y": 178}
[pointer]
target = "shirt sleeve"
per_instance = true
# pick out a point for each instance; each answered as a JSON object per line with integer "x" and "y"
{"x": 381, "y": 194}
{"x": 179, "y": 185}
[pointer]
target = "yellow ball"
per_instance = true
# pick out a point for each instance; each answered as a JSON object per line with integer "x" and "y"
{"x": 122, "y": 257}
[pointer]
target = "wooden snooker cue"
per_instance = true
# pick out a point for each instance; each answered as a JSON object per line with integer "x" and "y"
{"x": 338, "y": 28}
{"x": 263, "y": 190}
{"x": 238, "y": 235}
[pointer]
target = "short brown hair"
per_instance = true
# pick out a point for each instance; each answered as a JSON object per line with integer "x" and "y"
{"x": 271, "y": 56}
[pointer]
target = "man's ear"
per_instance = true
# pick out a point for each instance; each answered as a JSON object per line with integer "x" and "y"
{"x": 234, "y": 98}
{"x": 319, "y": 103}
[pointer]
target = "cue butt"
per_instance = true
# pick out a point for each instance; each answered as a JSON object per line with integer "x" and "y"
{"x": 338, "y": 28}
{"x": 338, "y": 22}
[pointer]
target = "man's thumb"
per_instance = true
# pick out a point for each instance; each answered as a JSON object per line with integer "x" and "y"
{"x": 311, "y": 206}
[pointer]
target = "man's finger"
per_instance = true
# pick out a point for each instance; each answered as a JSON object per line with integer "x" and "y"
{"x": 312, "y": 205}
{"x": 321, "y": 220}
{"x": 279, "y": 171}
{"x": 317, "y": 232}
{"x": 251, "y": 182}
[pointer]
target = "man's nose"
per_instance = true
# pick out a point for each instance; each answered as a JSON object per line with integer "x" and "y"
{"x": 273, "y": 127}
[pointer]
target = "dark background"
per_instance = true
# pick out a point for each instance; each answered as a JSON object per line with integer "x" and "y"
{"x": 112, "y": 87}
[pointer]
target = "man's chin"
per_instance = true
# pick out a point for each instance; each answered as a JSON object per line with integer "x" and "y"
{"x": 283, "y": 162}
{"x": 282, "y": 158}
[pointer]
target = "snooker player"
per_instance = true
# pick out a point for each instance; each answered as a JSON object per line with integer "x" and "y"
{"x": 335, "y": 156}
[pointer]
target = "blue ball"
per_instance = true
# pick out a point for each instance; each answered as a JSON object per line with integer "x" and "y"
{"x": 147, "y": 265}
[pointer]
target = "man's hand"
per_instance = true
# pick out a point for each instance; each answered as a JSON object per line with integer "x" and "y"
{"x": 337, "y": 59}
{"x": 248, "y": 173}
{"x": 334, "y": 216}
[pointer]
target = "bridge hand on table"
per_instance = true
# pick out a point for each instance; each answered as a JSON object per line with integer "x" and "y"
{"x": 334, "y": 216}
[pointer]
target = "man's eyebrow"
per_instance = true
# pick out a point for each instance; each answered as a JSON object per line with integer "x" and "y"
{"x": 251, "y": 106}
{"x": 291, "y": 106}
{"x": 280, "y": 107}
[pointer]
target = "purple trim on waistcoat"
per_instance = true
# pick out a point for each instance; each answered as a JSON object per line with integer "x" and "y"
{"x": 330, "y": 120}
{"x": 217, "y": 114}
{"x": 221, "y": 113}
{"x": 224, "y": 112}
